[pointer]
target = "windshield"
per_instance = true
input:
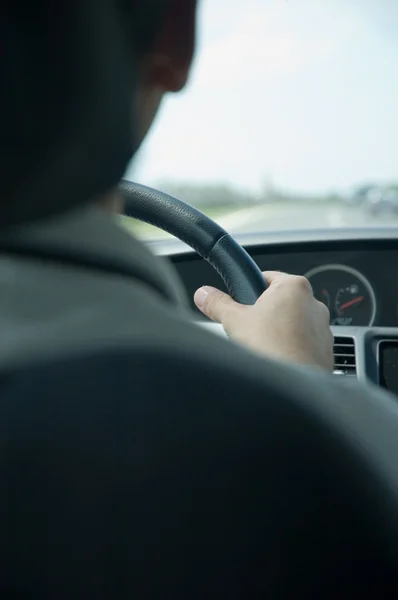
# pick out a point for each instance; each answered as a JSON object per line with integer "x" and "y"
{"x": 290, "y": 120}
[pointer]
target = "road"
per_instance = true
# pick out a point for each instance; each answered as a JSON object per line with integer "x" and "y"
{"x": 289, "y": 216}
{"x": 281, "y": 217}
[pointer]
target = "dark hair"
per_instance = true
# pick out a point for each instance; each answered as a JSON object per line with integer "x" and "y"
{"x": 142, "y": 20}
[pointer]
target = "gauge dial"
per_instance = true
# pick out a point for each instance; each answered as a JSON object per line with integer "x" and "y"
{"x": 347, "y": 294}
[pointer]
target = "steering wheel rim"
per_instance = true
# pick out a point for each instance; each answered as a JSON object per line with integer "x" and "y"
{"x": 240, "y": 274}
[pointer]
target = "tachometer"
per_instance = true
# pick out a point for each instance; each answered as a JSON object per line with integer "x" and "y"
{"x": 346, "y": 292}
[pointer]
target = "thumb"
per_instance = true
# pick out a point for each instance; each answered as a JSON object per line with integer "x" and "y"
{"x": 214, "y": 304}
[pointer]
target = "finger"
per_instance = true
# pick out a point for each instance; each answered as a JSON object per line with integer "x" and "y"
{"x": 272, "y": 276}
{"x": 214, "y": 304}
{"x": 277, "y": 277}
{"x": 299, "y": 282}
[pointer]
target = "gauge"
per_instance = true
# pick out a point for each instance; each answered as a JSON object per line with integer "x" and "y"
{"x": 346, "y": 292}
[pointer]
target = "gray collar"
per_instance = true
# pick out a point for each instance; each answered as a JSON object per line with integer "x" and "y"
{"x": 91, "y": 238}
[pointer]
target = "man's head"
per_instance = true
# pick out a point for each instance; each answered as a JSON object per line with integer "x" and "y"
{"x": 83, "y": 82}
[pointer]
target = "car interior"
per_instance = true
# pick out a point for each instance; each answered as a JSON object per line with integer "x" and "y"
{"x": 173, "y": 465}
{"x": 342, "y": 265}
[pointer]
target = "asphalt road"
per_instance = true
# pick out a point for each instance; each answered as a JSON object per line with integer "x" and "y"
{"x": 290, "y": 216}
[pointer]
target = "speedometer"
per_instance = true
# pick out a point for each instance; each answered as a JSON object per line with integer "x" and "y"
{"x": 346, "y": 292}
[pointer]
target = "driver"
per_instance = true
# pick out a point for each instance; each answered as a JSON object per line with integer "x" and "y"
{"x": 287, "y": 322}
{"x": 217, "y": 476}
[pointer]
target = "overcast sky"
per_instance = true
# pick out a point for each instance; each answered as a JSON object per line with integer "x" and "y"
{"x": 300, "y": 92}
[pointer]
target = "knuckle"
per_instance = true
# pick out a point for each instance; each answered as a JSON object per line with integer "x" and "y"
{"x": 303, "y": 283}
{"x": 324, "y": 310}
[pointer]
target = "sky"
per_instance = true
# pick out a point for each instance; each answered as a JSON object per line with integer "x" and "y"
{"x": 301, "y": 94}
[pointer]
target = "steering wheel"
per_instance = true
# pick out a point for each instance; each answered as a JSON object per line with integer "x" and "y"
{"x": 242, "y": 277}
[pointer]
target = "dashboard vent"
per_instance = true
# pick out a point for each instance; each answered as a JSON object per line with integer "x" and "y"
{"x": 344, "y": 356}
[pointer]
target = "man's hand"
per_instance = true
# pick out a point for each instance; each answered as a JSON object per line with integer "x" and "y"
{"x": 287, "y": 322}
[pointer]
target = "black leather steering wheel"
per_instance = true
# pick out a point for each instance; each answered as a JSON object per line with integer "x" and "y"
{"x": 242, "y": 277}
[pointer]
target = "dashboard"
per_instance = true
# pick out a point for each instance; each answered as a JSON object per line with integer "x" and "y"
{"x": 356, "y": 278}
{"x": 354, "y": 272}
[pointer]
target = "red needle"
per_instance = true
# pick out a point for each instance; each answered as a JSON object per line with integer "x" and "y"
{"x": 352, "y": 302}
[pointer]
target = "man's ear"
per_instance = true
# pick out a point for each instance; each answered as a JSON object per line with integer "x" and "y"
{"x": 168, "y": 66}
